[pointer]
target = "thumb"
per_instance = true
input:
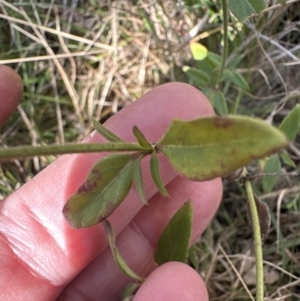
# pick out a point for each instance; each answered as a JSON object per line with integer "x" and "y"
{"x": 173, "y": 281}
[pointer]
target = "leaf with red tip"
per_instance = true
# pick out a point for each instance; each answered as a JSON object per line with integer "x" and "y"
{"x": 106, "y": 186}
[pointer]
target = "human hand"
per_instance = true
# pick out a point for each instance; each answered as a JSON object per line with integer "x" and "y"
{"x": 43, "y": 258}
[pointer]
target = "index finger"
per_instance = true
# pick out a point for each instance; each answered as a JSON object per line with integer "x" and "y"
{"x": 11, "y": 89}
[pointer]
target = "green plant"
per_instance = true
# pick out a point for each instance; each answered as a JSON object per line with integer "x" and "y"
{"x": 200, "y": 149}
{"x": 224, "y": 75}
{"x": 214, "y": 75}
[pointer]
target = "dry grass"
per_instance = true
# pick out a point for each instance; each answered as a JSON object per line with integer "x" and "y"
{"x": 87, "y": 59}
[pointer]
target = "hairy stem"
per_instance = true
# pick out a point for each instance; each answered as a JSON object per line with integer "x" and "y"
{"x": 257, "y": 243}
{"x": 31, "y": 151}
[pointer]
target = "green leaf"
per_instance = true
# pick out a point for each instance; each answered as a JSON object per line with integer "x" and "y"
{"x": 173, "y": 244}
{"x": 242, "y": 9}
{"x": 209, "y": 65}
{"x": 217, "y": 100}
{"x": 220, "y": 103}
{"x": 282, "y": 2}
{"x": 199, "y": 51}
{"x": 141, "y": 138}
{"x": 106, "y": 186}
{"x": 193, "y": 256}
{"x": 209, "y": 93}
{"x": 138, "y": 180}
{"x": 257, "y": 5}
{"x": 198, "y": 77}
{"x": 117, "y": 256}
{"x": 210, "y": 147}
{"x": 214, "y": 59}
{"x": 155, "y": 173}
{"x": 129, "y": 291}
{"x": 103, "y": 131}
{"x": 236, "y": 78}
{"x": 291, "y": 123}
{"x": 287, "y": 160}
{"x": 272, "y": 166}
{"x": 236, "y": 61}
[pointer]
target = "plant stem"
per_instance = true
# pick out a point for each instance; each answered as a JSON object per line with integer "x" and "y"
{"x": 257, "y": 243}
{"x": 31, "y": 151}
{"x": 225, "y": 38}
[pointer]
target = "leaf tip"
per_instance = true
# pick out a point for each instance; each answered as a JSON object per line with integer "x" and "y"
{"x": 106, "y": 226}
{"x": 69, "y": 217}
{"x": 141, "y": 138}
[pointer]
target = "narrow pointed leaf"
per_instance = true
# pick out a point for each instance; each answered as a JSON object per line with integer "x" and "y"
{"x": 155, "y": 173}
{"x": 173, "y": 244}
{"x": 105, "y": 188}
{"x": 236, "y": 61}
{"x": 240, "y": 81}
{"x": 193, "y": 256}
{"x": 138, "y": 180}
{"x": 220, "y": 103}
{"x": 242, "y": 9}
{"x": 129, "y": 291}
{"x": 272, "y": 165}
{"x": 197, "y": 76}
{"x": 257, "y": 5}
{"x": 103, "y": 131}
{"x": 236, "y": 78}
{"x": 117, "y": 256}
{"x": 210, "y": 147}
{"x": 209, "y": 65}
{"x": 214, "y": 59}
{"x": 291, "y": 123}
{"x": 141, "y": 138}
{"x": 287, "y": 160}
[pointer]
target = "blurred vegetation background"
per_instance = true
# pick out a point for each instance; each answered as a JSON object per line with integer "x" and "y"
{"x": 84, "y": 59}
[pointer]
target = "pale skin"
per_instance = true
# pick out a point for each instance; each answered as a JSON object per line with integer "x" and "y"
{"x": 43, "y": 258}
